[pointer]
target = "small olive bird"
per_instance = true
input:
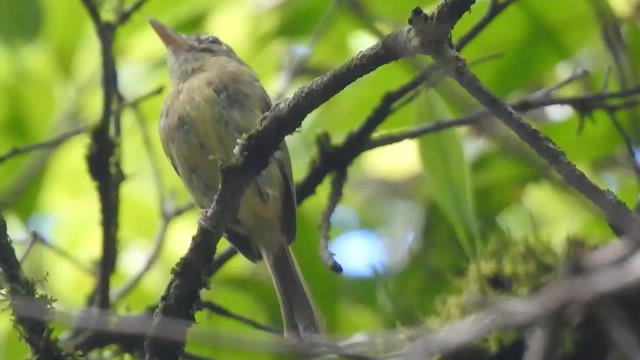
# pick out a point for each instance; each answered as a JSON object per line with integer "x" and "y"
{"x": 214, "y": 100}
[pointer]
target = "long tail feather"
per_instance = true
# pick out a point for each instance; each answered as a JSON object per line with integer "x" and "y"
{"x": 299, "y": 314}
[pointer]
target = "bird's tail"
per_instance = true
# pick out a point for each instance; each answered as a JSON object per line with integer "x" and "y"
{"x": 299, "y": 314}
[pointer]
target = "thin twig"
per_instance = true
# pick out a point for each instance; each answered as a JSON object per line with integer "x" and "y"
{"x": 578, "y": 74}
{"x": 631, "y": 154}
{"x": 298, "y": 58}
{"x": 222, "y": 258}
{"x": 104, "y": 155}
{"x": 158, "y": 242}
{"x": 126, "y": 14}
{"x": 365, "y": 16}
{"x": 133, "y": 103}
{"x": 35, "y": 238}
{"x": 612, "y": 36}
{"x": 592, "y": 285}
{"x": 432, "y": 127}
{"x": 583, "y": 103}
{"x": 49, "y": 144}
{"x": 31, "y": 242}
{"x": 337, "y": 185}
{"x": 162, "y": 199}
{"x": 63, "y": 254}
{"x": 218, "y": 309}
{"x": 496, "y": 7}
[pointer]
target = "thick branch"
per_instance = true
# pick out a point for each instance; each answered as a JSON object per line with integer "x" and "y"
{"x": 35, "y": 332}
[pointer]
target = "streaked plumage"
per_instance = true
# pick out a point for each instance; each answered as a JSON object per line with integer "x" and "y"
{"x": 214, "y": 100}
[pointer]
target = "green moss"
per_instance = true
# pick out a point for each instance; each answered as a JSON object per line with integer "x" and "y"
{"x": 506, "y": 267}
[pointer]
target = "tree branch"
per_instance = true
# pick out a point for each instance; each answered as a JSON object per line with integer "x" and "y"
{"x": 126, "y": 14}
{"x": 104, "y": 155}
{"x": 334, "y": 157}
{"x": 49, "y": 144}
{"x": 434, "y": 40}
{"x": 217, "y": 309}
{"x": 337, "y": 185}
{"x": 35, "y": 332}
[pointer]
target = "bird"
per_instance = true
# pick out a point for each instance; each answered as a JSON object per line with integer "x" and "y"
{"x": 214, "y": 100}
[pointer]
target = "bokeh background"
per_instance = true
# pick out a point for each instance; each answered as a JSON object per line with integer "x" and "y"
{"x": 413, "y": 213}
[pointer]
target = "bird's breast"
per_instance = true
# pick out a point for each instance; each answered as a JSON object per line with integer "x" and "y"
{"x": 197, "y": 138}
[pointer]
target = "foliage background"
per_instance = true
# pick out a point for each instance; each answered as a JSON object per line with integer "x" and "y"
{"x": 427, "y": 201}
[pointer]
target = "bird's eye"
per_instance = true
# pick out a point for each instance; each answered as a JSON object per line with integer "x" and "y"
{"x": 212, "y": 40}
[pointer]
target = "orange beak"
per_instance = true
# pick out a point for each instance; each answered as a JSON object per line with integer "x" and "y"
{"x": 171, "y": 39}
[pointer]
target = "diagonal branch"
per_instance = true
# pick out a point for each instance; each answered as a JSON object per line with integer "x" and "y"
{"x": 434, "y": 40}
{"x": 48, "y": 144}
{"x": 218, "y": 309}
{"x": 126, "y": 14}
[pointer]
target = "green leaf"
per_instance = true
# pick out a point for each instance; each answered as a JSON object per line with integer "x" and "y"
{"x": 447, "y": 175}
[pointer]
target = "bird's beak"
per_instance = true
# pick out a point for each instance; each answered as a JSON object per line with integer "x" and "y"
{"x": 171, "y": 39}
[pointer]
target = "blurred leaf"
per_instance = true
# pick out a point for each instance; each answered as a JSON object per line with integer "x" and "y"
{"x": 532, "y": 36}
{"x": 542, "y": 215}
{"x": 19, "y": 20}
{"x": 447, "y": 176}
{"x": 395, "y": 10}
{"x": 64, "y": 27}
